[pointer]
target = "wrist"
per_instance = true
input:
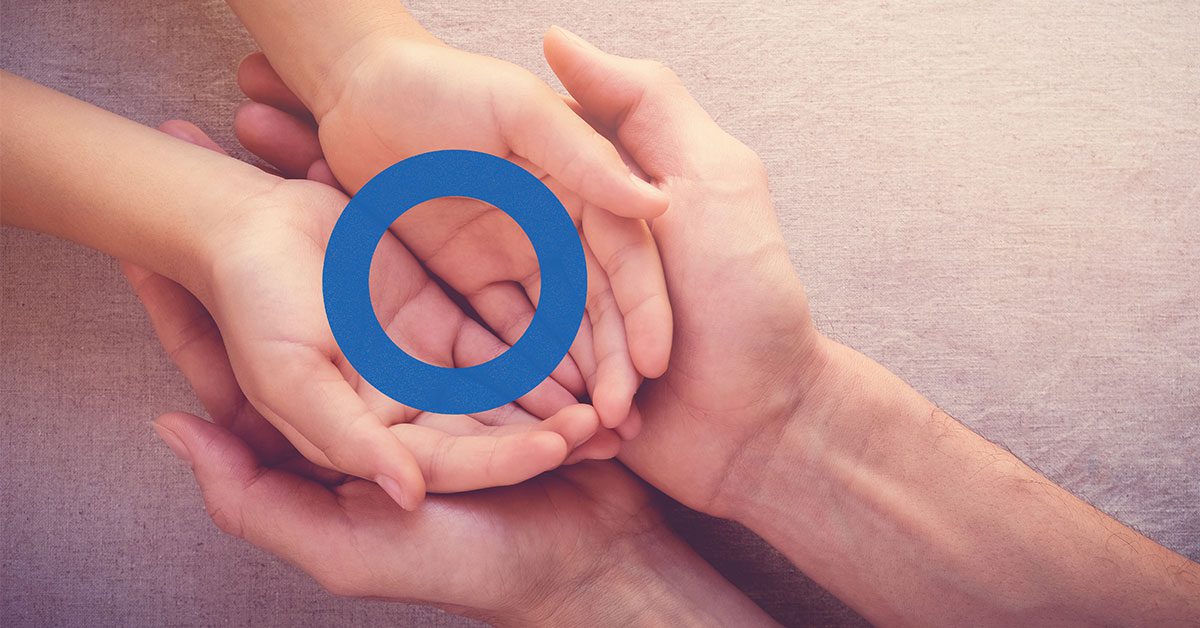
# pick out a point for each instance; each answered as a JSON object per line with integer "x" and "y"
{"x": 852, "y": 410}
{"x": 317, "y": 46}
{"x": 650, "y": 578}
{"x": 229, "y": 229}
{"x": 326, "y": 84}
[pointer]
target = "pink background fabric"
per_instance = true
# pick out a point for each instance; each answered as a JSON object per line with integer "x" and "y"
{"x": 998, "y": 201}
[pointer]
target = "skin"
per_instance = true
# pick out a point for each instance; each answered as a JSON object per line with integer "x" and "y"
{"x": 885, "y": 500}
{"x": 372, "y": 87}
{"x": 573, "y": 540}
{"x": 250, "y": 246}
{"x": 870, "y": 489}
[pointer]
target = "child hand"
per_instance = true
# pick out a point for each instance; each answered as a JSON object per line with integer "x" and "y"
{"x": 263, "y": 300}
{"x": 399, "y": 98}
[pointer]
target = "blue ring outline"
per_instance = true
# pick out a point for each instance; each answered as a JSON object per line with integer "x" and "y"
{"x": 347, "y": 293}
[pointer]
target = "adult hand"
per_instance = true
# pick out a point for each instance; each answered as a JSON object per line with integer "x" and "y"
{"x": 382, "y": 94}
{"x": 563, "y": 548}
{"x": 889, "y": 503}
{"x": 744, "y": 342}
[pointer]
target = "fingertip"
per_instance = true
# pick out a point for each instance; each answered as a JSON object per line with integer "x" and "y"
{"x": 283, "y": 140}
{"x": 654, "y": 202}
{"x": 549, "y": 446}
{"x": 604, "y": 445}
{"x": 407, "y": 498}
{"x": 259, "y": 81}
{"x": 174, "y": 430}
{"x": 396, "y": 469}
{"x": 533, "y": 453}
{"x": 250, "y": 68}
{"x": 631, "y": 426}
{"x": 190, "y": 133}
{"x": 320, "y": 172}
{"x": 181, "y": 423}
{"x": 612, "y": 404}
{"x": 650, "y": 332}
{"x": 576, "y": 424}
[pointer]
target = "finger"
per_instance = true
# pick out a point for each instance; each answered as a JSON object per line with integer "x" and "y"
{"x": 576, "y": 424}
{"x": 465, "y": 463}
{"x": 583, "y": 350}
{"x": 663, "y": 127}
{"x": 190, "y": 338}
{"x": 320, "y": 172}
{"x": 260, "y": 83}
{"x": 429, "y": 325}
{"x": 546, "y": 132}
{"x": 276, "y": 511}
{"x": 193, "y": 342}
{"x": 632, "y": 425}
{"x": 279, "y": 138}
{"x": 476, "y": 345}
{"x": 627, "y": 253}
{"x": 190, "y": 133}
{"x": 604, "y": 445}
{"x": 304, "y": 391}
{"x": 506, "y": 309}
{"x": 615, "y": 380}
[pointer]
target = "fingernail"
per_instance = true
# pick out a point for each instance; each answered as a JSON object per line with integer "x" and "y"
{"x": 579, "y": 440}
{"x": 573, "y": 37}
{"x": 392, "y": 488}
{"x": 174, "y": 443}
{"x": 646, "y": 187}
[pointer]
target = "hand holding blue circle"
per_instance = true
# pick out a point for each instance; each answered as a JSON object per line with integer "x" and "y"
{"x": 439, "y": 174}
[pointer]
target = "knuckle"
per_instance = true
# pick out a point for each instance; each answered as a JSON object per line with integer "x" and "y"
{"x": 346, "y": 450}
{"x": 751, "y": 162}
{"x": 657, "y": 74}
{"x": 226, "y": 520}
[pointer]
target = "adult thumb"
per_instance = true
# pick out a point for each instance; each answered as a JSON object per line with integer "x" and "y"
{"x": 642, "y": 101}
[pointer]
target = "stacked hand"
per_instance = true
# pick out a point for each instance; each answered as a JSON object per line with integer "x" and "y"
{"x": 748, "y": 412}
{"x": 550, "y": 550}
{"x": 712, "y": 413}
{"x": 727, "y": 262}
{"x": 374, "y": 110}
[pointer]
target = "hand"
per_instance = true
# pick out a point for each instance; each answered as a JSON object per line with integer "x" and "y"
{"x": 390, "y": 98}
{"x": 264, "y": 295}
{"x": 562, "y": 548}
{"x": 745, "y": 349}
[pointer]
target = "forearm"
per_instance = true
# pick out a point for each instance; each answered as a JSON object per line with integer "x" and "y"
{"x": 654, "y": 579}
{"x": 313, "y": 43}
{"x": 910, "y": 517}
{"x": 87, "y": 175}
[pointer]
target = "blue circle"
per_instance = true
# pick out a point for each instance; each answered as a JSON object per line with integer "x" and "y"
{"x": 366, "y": 219}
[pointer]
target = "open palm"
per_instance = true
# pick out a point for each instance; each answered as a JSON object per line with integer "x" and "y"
{"x": 266, "y": 307}
{"x": 741, "y": 316}
{"x": 401, "y": 98}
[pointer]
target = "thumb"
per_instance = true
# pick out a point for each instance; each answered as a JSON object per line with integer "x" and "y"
{"x": 664, "y": 129}
{"x": 545, "y": 131}
{"x": 277, "y": 511}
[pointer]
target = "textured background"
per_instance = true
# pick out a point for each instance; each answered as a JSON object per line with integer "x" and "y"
{"x": 999, "y": 201}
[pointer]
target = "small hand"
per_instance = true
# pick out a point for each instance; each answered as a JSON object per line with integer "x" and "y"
{"x": 266, "y": 306}
{"x": 396, "y": 98}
